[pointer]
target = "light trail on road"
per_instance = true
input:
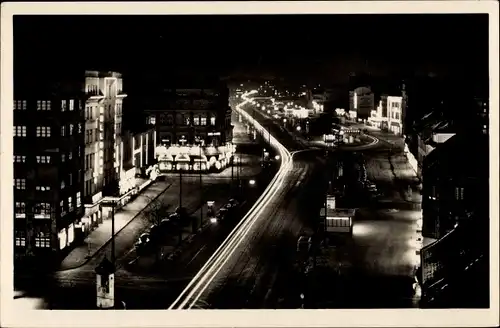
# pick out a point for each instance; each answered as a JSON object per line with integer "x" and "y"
{"x": 193, "y": 291}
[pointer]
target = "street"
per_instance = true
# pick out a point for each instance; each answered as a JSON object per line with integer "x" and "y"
{"x": 377, "y": 267}
{"x": 135, "y": 280}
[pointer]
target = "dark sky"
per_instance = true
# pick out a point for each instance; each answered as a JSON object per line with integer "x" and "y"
{"x": 455, "y": 45}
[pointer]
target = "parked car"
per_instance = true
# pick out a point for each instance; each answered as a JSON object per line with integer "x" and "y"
{"x": 303, "y": 243}
{"x": 182, "y": 212}
{"x": 234, "y": 202}
{"x": 143, "y": 240}
{"x": 222, "y": 214}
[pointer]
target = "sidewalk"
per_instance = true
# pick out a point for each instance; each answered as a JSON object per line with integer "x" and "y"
{"x": 102, "y": 235}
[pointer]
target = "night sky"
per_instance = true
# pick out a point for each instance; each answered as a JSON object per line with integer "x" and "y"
{"x": 324, "y": 46}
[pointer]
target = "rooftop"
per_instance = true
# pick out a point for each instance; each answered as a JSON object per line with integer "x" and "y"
{"x": 463, "y": 153}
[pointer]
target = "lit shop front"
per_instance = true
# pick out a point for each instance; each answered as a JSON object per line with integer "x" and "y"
{"x": 194, "y": 158}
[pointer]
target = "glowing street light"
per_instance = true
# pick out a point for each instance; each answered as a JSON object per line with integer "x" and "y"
{"x": 251, "y": 182}
{"x": 298, "y": 128}
{"x": 277, "y": 157}
{"x": 284, "y": 120}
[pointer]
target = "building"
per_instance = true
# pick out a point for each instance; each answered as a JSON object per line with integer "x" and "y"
{"x": 138, "y": 156}
{"x": 455, "y": 184}
{"x": 48, "y": 161}
{"x": 193, "y": 126}
{"x": 103, "y": 130}
{"x": 362, "y": 101}
{"x": 389, "y": 114}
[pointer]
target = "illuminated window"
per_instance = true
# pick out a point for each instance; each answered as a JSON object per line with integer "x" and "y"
{"x": 43, "y": 188}
{"x": 71, "y": 129}
{"x": 63, "y": 105}
{"x": 20, "y": 184}
{"x": 78, "y": 199}
{"x": 63, "y": 158}
{"x": 62, "y": 208}
{"x": 20, "y": 208}
{"x": 196, "y": 120}
{"x": 70, "y": 204}
{"x": 42, "y": 240}
{"x": 43, "y": 105}
{"x": 43, "y": 131}
{"x": 212, "y": 120}
{"x": 70, "y": 155}
{"x": 79, "y": 128}
{"x": 19, "y": 104}
{"x": 45, "y": 159}
{"x": 71, "y": 104}
{"x": 42, "y": 210}
{"x": 152, "y": 120}
{"x": 20, "y": 131}
{"x": 63, "y": 185}
{"x": 20, "y": 238}
{"x": 459, "y": 193}
{"x": 19, "y": 158}
{"x": 203, "y": 121}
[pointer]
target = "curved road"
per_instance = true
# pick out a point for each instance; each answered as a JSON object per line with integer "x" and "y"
{"x": 374, "y": 270}
{"x": 260, "y": 273}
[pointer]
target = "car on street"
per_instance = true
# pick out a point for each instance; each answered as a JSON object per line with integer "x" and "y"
{"x": 182, "y": 212}
{"x": 303, "y": 243}
{"x": 143, "y": 241}
{"x": 233, "y": 202}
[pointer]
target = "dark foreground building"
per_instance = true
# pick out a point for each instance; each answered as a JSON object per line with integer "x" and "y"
{"x": 48, "y": 161}
{"x": 456, "y": 184}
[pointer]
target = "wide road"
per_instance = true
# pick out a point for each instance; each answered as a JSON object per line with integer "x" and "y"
{"x": 254, "y": 269}
{"x": 373, "y": 269}
{"x": 260, "y": 272}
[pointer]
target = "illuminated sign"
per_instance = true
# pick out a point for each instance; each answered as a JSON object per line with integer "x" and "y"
{"x": 97, "y": 197}
{"x": 210, "y": 134}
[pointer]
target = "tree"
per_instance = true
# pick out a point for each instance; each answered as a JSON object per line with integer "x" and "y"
{"x": 155, "y": 212}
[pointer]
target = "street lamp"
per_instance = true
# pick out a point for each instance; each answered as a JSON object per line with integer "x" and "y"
{"x": 111, "y": 203}
{"x": 251, "y": 182}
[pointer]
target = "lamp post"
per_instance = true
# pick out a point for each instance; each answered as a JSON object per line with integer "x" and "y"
{"x": 232, "y": 173}
{"x": 180, "y": 186}
{"x": 112, "y": 204}
{"x": 201, "y": 190}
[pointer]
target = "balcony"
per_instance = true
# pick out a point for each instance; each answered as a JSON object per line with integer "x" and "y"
{"x": 121, "y": 94}
{"x": 95, "y": 94}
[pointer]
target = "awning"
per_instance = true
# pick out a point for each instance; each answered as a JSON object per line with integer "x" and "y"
{"x": 182, "y": 158}
{"x": 167, "y": 157}
{"x": 201, "y": 158}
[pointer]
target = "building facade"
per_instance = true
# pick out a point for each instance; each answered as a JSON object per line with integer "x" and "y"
{"x": 193, "y": 128}
{"x": 389, "y": 114}
{"x": 138, "y": 154}
{"x": 455, "y": 185}
{"x": 103, "y": 131}
{"x": 362, "y": 101}
{"x": 48, "y": 161}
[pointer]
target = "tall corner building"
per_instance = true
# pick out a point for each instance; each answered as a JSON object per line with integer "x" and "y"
{"x": 103, "y": 134}
{"x": 48, "y": 157}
